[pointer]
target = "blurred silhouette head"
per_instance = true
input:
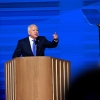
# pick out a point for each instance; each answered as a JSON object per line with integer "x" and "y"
{"x": 86, "y": 86}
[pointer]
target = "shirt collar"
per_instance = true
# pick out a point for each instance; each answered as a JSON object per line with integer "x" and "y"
{"x": 30, "y": 38}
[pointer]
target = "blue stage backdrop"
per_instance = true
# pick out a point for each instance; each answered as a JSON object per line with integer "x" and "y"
{"x": 73, "y": 20}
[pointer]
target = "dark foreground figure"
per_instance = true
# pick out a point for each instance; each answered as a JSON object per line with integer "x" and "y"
{"x": 86, "y": 86}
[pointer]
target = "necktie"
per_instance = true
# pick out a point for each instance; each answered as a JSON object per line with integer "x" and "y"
{"x": 34, "y": 48}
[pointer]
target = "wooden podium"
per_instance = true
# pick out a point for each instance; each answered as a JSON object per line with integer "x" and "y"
{"x": 36, "y": 78}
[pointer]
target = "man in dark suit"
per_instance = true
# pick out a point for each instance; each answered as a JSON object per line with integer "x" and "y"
{"x": 25, "y": 46}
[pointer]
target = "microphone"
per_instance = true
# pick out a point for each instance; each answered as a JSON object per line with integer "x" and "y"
{"x": 36, "y": 43}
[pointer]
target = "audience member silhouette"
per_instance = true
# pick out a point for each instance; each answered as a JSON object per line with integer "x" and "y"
{"x": 86, "y": 86}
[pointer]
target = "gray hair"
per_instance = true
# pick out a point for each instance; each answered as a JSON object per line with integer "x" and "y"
{"x": 30, "y": 26}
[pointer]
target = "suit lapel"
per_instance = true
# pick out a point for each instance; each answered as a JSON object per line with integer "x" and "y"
{"x": 28, "y": 45}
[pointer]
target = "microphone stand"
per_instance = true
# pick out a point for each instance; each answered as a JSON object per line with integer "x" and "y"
{"x": 36, "y": 42}
{"x": 99, "y": 37}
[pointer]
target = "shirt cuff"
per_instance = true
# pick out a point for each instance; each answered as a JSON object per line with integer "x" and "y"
{"x": 55, "y": 40}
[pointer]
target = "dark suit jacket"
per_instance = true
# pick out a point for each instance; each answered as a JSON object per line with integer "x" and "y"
{"x": 24, "y": 49}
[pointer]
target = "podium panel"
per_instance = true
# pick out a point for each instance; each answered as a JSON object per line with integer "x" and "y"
{"x": 36, "y": 78}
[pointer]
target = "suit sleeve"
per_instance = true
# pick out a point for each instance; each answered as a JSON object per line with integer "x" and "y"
{"x": 51, "y": 44}
{"x": 18, "y": 50}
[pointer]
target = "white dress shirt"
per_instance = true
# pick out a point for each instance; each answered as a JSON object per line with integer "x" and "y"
{"x": 31, "y": 42}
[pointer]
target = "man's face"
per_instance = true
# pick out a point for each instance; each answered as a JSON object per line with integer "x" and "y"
{"x": 33, "y": 31}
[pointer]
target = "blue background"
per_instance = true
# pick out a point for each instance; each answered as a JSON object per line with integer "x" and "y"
{"x": 73, "y": 20}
